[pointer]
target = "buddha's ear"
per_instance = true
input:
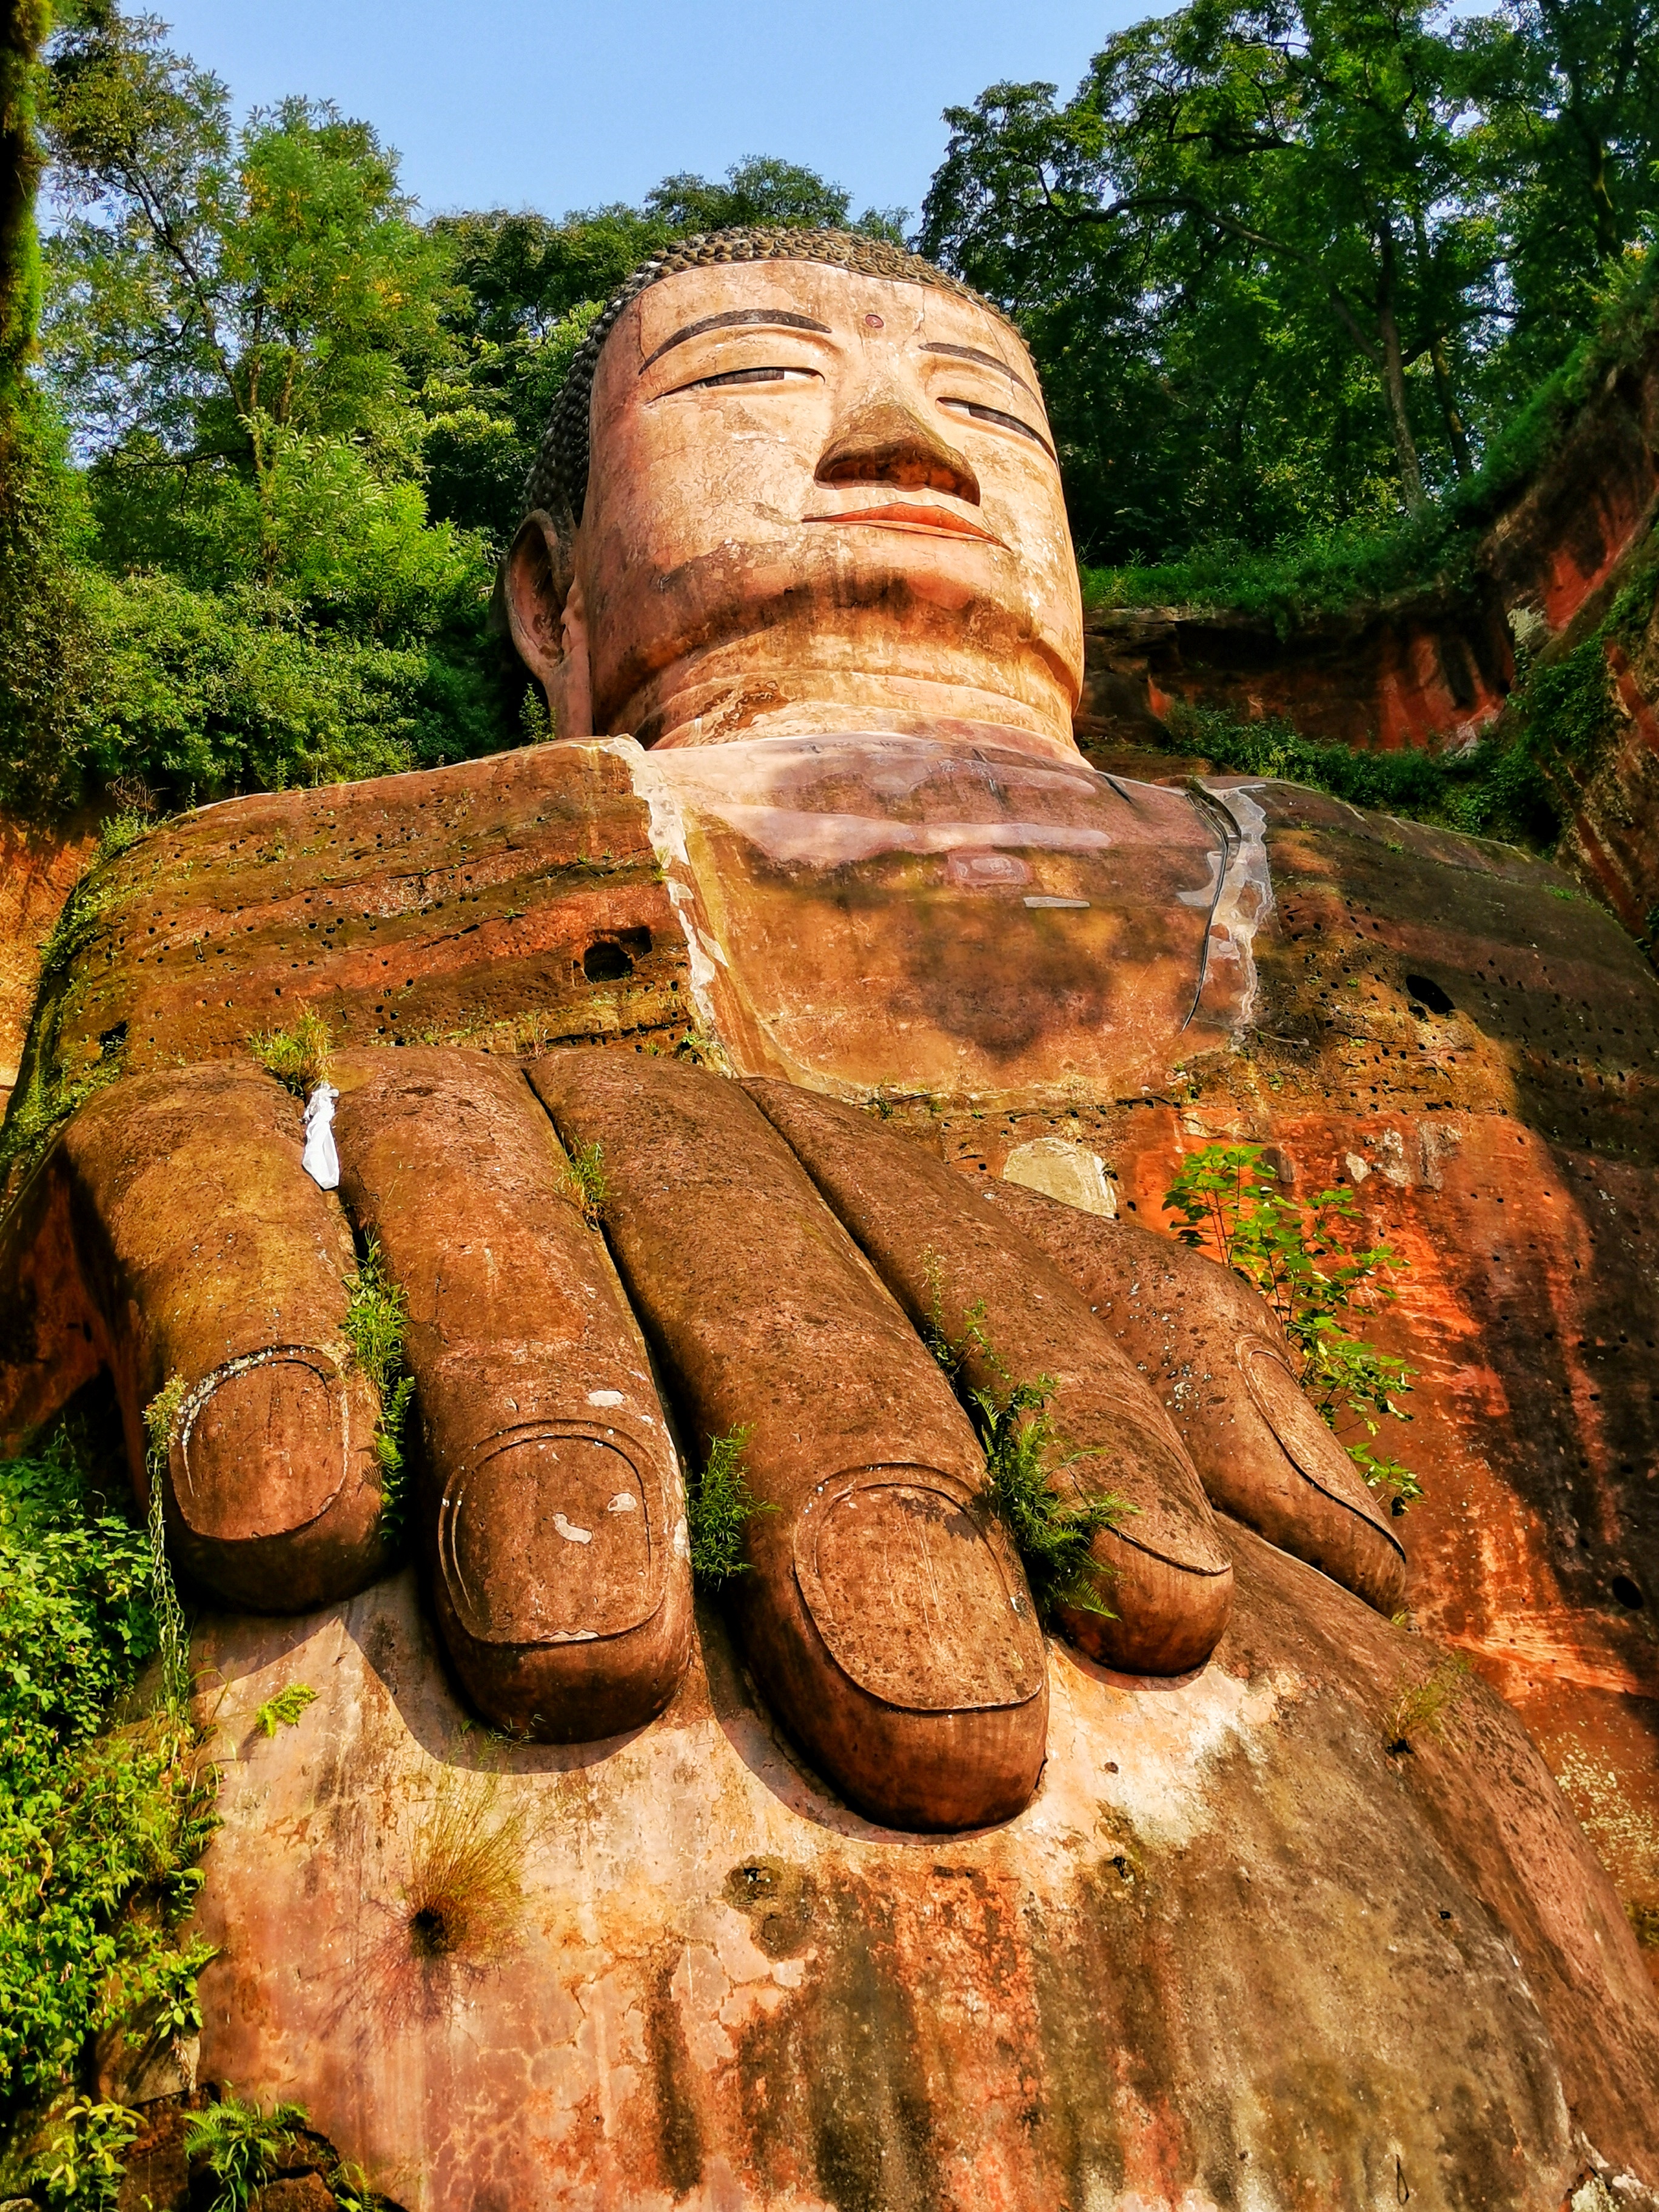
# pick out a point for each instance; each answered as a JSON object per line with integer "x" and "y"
{"x": 544, "y": 615}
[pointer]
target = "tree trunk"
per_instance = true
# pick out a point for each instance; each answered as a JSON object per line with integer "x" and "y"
{"x": 23, "y": 27}
{"x": 1456, "y": 436}
{"x": 1393, "y": 371}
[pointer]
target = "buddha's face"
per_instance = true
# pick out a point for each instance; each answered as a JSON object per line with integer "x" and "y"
{"x": 817, "y": 500}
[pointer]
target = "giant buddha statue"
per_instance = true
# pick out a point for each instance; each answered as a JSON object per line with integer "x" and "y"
{"x": 797, "y": 580}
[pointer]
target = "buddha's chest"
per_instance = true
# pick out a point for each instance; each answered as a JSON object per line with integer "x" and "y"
{"x": 866, "y": 912}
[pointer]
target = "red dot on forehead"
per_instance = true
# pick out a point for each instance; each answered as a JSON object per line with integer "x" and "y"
{"x": 873, "y": 323}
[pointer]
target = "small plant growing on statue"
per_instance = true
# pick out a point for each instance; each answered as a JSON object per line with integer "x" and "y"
{"x": 463, "y": 1898}
{"x": 588, "y": 1176}
{"x": 120, "y": 833}
{"x": 1053, "y": 1534}
{"x": 375, "y": 1325}
{"x": 84, "y": 2162}
{"x": 700, "y": 1051}
{"x": 241, "y": 2147}
{"x": 1231, "y": 1204}
{"x": 161, "y": 1418}
{"x": 297, "y": 1056}
{"x": 286, "y": 1708}
{"x": 1422, "y": 1709}
{"x": 719, "y": 1508}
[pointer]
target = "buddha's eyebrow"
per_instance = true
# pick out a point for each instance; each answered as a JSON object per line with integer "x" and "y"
{"x": 772, "y": 318}
{"x": 986, "y": 360}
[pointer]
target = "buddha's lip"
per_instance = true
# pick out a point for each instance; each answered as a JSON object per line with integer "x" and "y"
{"x": 898, "y": 514}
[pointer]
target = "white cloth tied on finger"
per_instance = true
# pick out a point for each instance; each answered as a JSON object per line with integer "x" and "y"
{"x": 319, "y": 1159}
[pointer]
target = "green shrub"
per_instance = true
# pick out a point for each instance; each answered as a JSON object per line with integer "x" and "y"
{"x": 86, "y": 2155}
{"x": 204, "y": 693}
{"x": 1228, "y": 1198}
{"x": 1026, "y": 1463}
{"x": 49, "y": 659}
{"x": 376, "y": 1323}
{"x": 105, "y": 1803}
{"x": 1054, "y": 1534}
{"x": 1494, "y": 789}
{"x": 719, "y": 1508}
{"x": 240, "y": 2147}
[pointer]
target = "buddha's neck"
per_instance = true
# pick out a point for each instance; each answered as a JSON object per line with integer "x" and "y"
{"x": 787, "y": 703}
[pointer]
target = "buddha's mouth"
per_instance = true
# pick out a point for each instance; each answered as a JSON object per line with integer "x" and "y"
{"x": 898, "y": 514}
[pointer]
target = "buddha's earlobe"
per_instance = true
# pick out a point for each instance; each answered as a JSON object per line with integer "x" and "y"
{"x": 570, "y": 687}
{"x": 546, "y": 616}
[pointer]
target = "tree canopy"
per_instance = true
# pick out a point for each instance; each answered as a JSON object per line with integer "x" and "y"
{"x": 1287, "y": 263}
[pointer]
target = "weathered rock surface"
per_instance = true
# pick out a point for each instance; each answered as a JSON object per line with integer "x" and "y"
{"x": 1235, "y": 1954}
{"x": 38, "y": 864}
{"x": 1451, "y": 1029}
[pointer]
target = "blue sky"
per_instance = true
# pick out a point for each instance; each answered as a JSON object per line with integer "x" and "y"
{"x": 547, "y": 104}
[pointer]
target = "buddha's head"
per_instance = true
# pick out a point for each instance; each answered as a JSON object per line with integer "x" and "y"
{"x": 799, "y": 482}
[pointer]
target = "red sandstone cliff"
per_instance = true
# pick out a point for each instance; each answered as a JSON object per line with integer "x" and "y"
{"x": 1435, "y": 665}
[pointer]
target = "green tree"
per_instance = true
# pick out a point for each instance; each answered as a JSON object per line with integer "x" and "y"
{"x": 45, "y": 636}
{"x": 232, "y": 312}
{"x": 239, "y": 321}
{"x": 1265, "y": 212}
{"x": 1569, "y": 92}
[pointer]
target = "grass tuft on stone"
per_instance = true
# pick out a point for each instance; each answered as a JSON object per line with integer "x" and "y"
{"x": 375, "y": 1325}
{"x": 297, "y": 1056}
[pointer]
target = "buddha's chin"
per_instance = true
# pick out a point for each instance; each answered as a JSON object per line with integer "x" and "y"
{"x": 887, "y": 645}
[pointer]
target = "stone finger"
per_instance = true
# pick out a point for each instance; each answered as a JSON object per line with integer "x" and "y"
{"x": 952, "y": 1262}
{"x": 214, "y": 1275}
{"x": 884, "y": 1612}
{"x": 1218, "y": 1358}
{"x": 552, "y": 1502}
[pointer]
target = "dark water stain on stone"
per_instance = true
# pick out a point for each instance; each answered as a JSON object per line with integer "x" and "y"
{"x": 679, "y": 2128}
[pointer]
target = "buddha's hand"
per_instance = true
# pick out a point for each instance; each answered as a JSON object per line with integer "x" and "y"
{"x": 826, "y": 1309}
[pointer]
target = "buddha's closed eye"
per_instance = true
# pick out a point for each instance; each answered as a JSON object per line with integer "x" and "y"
{"x": 977, "y": 411}
{"x": 747, "y": 376}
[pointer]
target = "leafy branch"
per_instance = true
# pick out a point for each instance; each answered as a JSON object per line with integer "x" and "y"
{"x": 1229, "y": 1199}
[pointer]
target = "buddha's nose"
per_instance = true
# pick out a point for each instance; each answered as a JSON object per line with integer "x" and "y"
{"x": 883, "y": 442}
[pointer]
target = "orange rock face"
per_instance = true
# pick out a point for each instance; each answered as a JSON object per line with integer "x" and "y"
{"x": 1234, "y": 1952}
{"x": 37, "y": 869}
